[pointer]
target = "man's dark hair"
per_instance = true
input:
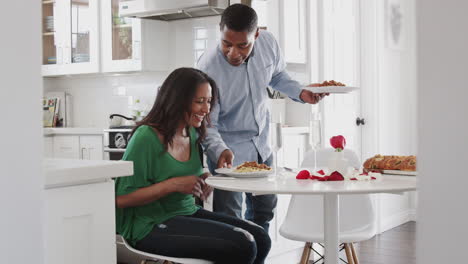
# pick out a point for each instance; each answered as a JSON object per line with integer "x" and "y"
{"x": 240, "y": 18}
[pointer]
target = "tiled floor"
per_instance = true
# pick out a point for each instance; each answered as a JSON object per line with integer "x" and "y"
{"x": 395, "y": 246}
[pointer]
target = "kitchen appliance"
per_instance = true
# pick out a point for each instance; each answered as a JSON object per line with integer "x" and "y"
{"x": 117, "y": 136}
{"x": 117, "y": 120}
{"x": 116, "y": 141}
{"x": 172, "y": 9}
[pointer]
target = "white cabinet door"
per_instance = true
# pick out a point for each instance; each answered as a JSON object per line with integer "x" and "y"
{"x": 48, "y": 147}
{"x": 80, "y": 224}
{"x": 66, "y": 147}
{"x": 91, "y": 147}
{"x": 70, "y": 37}
{"x": 294, "y": 148}
{"x": 293, "y": 30}
{"x": 88, "y": 147}
{"x": 132, "y": 44}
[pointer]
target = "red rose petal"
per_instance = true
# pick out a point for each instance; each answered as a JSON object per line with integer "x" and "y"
{"x": 353, "y": 179}
{"x": 373, "y": 178}
{"x": 364, "y": 173}
{"x": 313, "y": 177}
{"x": 336, "y": 176}
{"x": 303, "y": 175}
{"x": 326, "y": 178}
{"x": 321, "y": 172}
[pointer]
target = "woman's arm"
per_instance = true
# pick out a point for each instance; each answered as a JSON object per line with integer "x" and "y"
{"x": 142, "y": 196}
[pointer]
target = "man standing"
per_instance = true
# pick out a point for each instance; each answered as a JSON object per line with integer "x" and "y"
{"x": 243, "y": 65}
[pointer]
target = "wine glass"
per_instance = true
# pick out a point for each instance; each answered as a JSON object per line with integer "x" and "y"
{"x": 315, "y": 135}
{"x": 276, "y": 142}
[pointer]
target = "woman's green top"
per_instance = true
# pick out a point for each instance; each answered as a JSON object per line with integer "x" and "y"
{"x": 151, "y": 165}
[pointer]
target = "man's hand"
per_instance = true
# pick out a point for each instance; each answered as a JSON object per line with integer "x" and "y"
{"x": 310, "y": 97}
{"x": 225, "y": 159}
{"x": 207, "y": 189}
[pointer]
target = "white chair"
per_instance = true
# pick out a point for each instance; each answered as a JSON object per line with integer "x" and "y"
{"x": 127, "y": 254}
{"x": 304, "y": 220}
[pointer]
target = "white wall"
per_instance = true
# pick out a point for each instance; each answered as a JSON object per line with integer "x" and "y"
{"x": 443, "y": 129}
{"x": 94, "y": 98}
{"x": 397, "y": 115}
{"x": 20, "y": 133}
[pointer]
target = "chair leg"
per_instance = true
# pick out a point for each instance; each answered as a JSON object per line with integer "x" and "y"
{"x": 143, "y": 261}
{"x": 306, "y": 253}
{"x": 349, "y": 254}
{"x": 355, "y": 258}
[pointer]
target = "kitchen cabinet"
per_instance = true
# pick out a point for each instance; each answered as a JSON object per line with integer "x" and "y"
{"x": 295, "y": 145}
{"x": 293, "y": 30}
{"x": 132, "y": 44}
{"x": 85, "y": 147}
{"x": 70, "y": 40}
{"x": 91, "y": 147}
{"x": 79, "y": 210}
{"x": 80, "y": 225}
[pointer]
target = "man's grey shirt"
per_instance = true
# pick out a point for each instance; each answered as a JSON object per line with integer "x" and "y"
{"x": 241, "y": 118}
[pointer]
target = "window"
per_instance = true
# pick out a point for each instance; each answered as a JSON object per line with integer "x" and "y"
{"x": 199, "y": 42}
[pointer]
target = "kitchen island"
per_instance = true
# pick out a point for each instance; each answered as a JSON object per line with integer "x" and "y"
{"x": 80, "y": 210}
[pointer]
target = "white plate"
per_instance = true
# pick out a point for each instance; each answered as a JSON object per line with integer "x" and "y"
{"x": 331, "y": 89}
{"x": 232, "y": 173}
{"x": 400, "y": 172}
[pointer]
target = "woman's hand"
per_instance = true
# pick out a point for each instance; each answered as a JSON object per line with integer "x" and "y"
{"x": 189, "y": 185}
{"x": 207, "y": 189}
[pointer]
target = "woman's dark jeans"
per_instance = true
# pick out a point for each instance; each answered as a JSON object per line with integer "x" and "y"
{"x": 210, "y": 236}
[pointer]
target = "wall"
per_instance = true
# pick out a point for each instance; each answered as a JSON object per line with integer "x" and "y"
{"x": 94, "y": 98}
{"x": 20, "y": 160}
{"x": 390, "y": 101}
{"x": 443, "y": 127}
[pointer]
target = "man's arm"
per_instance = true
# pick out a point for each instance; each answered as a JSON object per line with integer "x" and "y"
{"x": 214, "y": 145}
{"x": 281, "y": 81}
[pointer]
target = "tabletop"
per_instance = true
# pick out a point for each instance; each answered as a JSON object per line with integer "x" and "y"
{"x": 286, "y": 183}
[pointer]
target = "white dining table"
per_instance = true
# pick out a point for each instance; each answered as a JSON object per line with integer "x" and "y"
{"x": 286, "y": 183}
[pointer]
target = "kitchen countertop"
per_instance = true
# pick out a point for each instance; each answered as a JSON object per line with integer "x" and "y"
{"x": 73, "y": 131}
{"x": 68, "y": 172}
{"x": 295, "y": 130}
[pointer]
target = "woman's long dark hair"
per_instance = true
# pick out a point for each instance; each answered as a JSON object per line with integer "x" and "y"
{"x": 174, "y": 100}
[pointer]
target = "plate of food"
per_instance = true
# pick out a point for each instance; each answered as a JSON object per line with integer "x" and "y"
{"x": 391, "y": 164}
{"x": 331, "y": 87}
{"x": 247, "y": 170}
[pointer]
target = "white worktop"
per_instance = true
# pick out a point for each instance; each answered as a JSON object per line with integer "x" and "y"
{"x": 67, "y": 172}
{"x": 295, "y": 130}
{"x": 73, "y": 131}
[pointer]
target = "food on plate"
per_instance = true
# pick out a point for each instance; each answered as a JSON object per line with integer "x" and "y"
{"x": 380, "y": 162}
{"x": 251, "y": 166}
{"x": 331, "y": 83}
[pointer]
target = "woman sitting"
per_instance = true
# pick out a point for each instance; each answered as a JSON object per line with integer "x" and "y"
{"x": 156, "y": 211}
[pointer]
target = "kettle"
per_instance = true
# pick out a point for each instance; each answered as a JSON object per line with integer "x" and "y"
{"x": 116, "y": 120}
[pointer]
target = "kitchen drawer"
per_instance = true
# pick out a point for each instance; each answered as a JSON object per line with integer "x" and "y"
{"x": 66, "y": 147}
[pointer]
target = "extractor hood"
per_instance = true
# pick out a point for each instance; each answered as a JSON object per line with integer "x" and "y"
{"x": 171, "y": 9}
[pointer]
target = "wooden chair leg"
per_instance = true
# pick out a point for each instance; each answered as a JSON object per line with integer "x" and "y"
{"x": 143, "y": 261}
{"x": 349, "y": 254}
{"x": 306, "y": 253}
{"x": 355, "y": 258}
